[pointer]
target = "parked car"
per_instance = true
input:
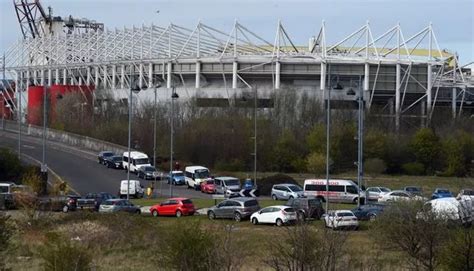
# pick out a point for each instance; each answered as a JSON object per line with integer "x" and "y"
{"x": 208, "y": 187}
{"x": 447, "y": 208}
{"x": 135, "y": 189}
{"x": 341, "y": 219}
{"x": 441, "y": 193}
{"x": 137, "y": 160}
{"x": 194, "y": 175}
{"x": 173, "y": 207}
{"x": 93, "y": 200}
{"x": 119, "y": 205}
{"x": 104, "y": 155}
{"x": 466, "y": 193}
{"x": 368, "y": 211}
{"x": 229, "y": 186}
{"x": 62, "y": 203}
{"x": 399, "y": 195}
{"x": 306, "y": 207}
{"x": 235, "y": 208}
{"x": 345, "y": 191}
{"x": 7, "y": 194}
{"x": 375, "y": 193}
{"x": 147, "y": 172}
{"x": 114, "y": 161}
{"x": 277, "y": 215}
{"x": 415, "y": 190}
{"x": 177, "y": 178}
{"x": 286, "y": 191}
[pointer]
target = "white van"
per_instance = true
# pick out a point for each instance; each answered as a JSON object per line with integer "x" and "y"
{"x": 135, "y": 190}
{"x": 194, "y": 175}
{"x": 339, "y": 190}
{"x": 137, "y": 160}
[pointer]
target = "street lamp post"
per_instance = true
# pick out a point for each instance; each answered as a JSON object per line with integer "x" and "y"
{"x": 360, "y": 137}
{"x": 328, "y": 129}
{"x": 174, "y": 95}
{"x": 44, "y": 166}
{"x": 255, "y": 139}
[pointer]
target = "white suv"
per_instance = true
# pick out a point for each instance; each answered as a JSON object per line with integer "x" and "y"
{"x": 286, "y": 191}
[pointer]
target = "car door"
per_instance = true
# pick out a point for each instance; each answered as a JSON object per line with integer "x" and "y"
{"x": 172, "y": 207}
{"x": 218, "y": 183}
{"x": 231, "y": 208}
{"x": 264, "y": 215}
{"x": 219, "y": 211}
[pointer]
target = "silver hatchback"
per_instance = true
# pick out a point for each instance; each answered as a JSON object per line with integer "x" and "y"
{"x": 286, "y": 191}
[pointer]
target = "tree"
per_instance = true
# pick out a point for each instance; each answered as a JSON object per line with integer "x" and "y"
{"x": 6, "y": 232}
{"x": 426, "y": 147}
{"x": 316, "y": 139}
{"x": 316, "y": 163}
{"x": 454, "y": 156}
{"x": 458, "y": 254}
{"x": 286, "y": 152}
{"x": 374, "y": 166}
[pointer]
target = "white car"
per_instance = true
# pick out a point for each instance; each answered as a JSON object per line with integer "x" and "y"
{"x": 341, "y": 219}
{"x": 278, "y": 215}
{"x": 376, "y": 192}
{"x": 397, "y": 195}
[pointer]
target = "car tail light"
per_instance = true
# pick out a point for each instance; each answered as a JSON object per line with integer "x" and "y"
{"x": 71, "y": 201}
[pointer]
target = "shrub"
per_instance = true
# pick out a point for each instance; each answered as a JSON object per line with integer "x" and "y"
{"x": 459, "y": 251}
{"x": 6, "y": 232}
{"x": 413, "y": 168}
{"x": 375, "y": 166}
{"x": 59, "y": 253}
{"x": 455, "y": 160}
{"x": 425, "y": 147}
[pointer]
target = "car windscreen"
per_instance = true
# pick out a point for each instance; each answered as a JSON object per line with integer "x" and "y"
{"x": 117, "y": 159}
{"x": 345, "y": 214}
{"x": 383, "y": 189}
{"x": 314, "y": 202}
{"x": 469, "y": 192}
{"x": 232, "y": 182}
{"x": 289, "y": 210}
{"x": 178, "y": 174}
{"x": 295, "y": 188}
{"x": 142, "y": 161}
{"x": 3, "y": 189}
{"x": 149, "y": 169}
{"x": 187, "y": 201}
{"x": 413, "y": 189}
{"x": 210, "y": 182}
{"x": 201, "y": 173}
{"x": 110, "y": 202}
{"x": 443, "y": 191}
{"x": 107, "y": 154}
{"x": 250, "y": 203}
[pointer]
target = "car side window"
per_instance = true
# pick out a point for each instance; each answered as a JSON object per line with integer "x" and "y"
{"x": 286, "y": 189}
{"x": 266, "y": 210}
{"x": 276, "y": 187}
{"x": 164, "y": 203}
{"x": 173, "y": 202}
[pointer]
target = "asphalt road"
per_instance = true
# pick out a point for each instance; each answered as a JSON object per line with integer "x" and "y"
{"x": 81, "y": 169}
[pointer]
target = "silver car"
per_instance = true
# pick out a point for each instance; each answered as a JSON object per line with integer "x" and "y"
{"x": 229, "y": 186}
{"x": 286, "y": 191}
{"x": 235, "y": 208}
{"x": 119, "y": 205}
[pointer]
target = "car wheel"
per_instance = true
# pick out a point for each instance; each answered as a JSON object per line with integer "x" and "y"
{"x": 179, "y": 213}
{"x": 279, "y": 222}
{"x": 372, "y": 217}
{"x": 355, "y": 200}
{"x": 65, "y": 209}
{"x": 155, "y": 213}
{"x": 274, "y": 197}
{"x": 255, "y": 221}
{"x": 211, "y": 215}
{"x": 237, "y": 217}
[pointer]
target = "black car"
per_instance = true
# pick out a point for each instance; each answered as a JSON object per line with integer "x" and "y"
{"x": 147, "y": 172}
{"x": 306, "y": 207}
{"x": 114, "y": 161}
{"x": 415, "y": 190}
{"x": 103, "y": 155}
{"x": 369, "y": 211}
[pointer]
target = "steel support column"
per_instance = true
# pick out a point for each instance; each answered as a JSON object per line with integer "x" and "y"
{"x": 397, "y": 97}
{"x": 122, "y": 77}
{"x": 277, "y": 75}
{"x": 168, "y": 75}
{"x": 366, "y": 81}
{"x": 114, "y": 75}
{"x": 429, "y": 86}
{"x": 234, "y": 74}
{"x": 198, "y": 74}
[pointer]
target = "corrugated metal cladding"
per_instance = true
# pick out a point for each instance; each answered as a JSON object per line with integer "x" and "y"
{"x": 54, "y": 94}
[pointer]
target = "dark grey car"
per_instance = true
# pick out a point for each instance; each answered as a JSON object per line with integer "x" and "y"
{"x": 235, "y": 208}
{"x": 306, "y": 207}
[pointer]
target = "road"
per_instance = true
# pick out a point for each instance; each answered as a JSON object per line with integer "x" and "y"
{"x": 80, "y": 168}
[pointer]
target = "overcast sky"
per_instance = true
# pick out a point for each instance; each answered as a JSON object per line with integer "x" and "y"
{"x": 452, "y": 19}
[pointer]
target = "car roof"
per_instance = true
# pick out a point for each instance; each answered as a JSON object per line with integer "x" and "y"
{"x": 194, "y": 168}
{"x": 330, "y": 180}
{"x": 242, "y": 199}
{"x": 113, "y": 200}
{"x": 136, "y": 154}
{"x": 179, "y": 198}
{"x": 106, "y": 152}
{"x": 343, "y": 211}
{"x": 226, "y": 178}
{"x": 416, "y": 187}
{"x": 398, "y": 191}
{"x": 286, "y": 184}
{"x": 176, "y": 171}
{"x": 441, "y": 188}
{"x": 278, "y": 206}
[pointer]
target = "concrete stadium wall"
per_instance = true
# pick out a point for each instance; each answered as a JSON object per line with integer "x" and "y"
{"x": 70, "y": 139}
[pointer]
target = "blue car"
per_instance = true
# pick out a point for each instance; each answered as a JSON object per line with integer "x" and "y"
{"x": 177, "y": 178}
{"x": 441, "y": 193}
{"x": 249, "y": 185}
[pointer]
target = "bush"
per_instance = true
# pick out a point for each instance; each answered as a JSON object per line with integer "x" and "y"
{"x": 316, "y": 163}
{"x": 59, "y": 253}
{"x": 455, "y": 160}
{"x": 459, "y": 251}
{"x": 265, "y": 184}
{"x": 375, "y": 166}
{"x": 413, "y": 168}
{"x": 6, "y": 232}
{"x": 425, "y": 147}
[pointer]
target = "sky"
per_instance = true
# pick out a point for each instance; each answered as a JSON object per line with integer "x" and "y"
{"x": 452, "y": 20}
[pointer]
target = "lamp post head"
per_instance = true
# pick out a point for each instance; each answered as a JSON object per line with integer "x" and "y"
{"x": 174, "y": 95}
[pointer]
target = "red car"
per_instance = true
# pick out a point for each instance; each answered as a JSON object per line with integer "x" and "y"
{"x": 173, "y": 207}
{"x": 208, "y": 187}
